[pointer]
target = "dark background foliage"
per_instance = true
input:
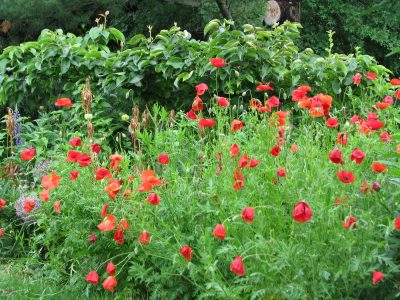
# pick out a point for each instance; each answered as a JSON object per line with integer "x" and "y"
{"x": 371, "y": 25}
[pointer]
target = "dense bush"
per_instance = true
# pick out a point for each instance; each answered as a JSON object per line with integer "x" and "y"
{"x": 163, "y": 68}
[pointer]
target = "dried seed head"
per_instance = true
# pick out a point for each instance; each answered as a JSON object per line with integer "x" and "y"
{"x": 90, "y": 130}
{"x": 171, "y": 118}
{"x": 87, "y": 96}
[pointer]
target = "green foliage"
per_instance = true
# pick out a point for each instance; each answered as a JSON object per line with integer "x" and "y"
{"x": 372, "y": 26}
{"x": 168, "y": 64}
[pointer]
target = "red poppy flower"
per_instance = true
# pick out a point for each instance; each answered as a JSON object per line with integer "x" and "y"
{"x": 110, "y": 283}
{"x": 377, "y": 276}
{"x": 397, "y": 94}
{"x": 218, "y": 62}
{"x": 238, "y": 185}
{"x": 144, "y": 237}
{"x": 342, "y": 138}
{"x": 281, "y": 172}
{"x": 388, "y": 100}
{"x": 84, "y": 160}
{"x": 395, "y": 81}
{"x": 354, "y": 119}
{"x": 95, "y": 148}
{"x": 110, "y": 268}
{"x": 273, "y": 101}
{"x": 2, "y": 204}
{"x": 275, "y": 150}
{"x": 102, "y": 173}
{"x": 163, "y": 159}
{"x": 115, "y": 159}
{"x": 302, "y": 212}
{"x": 92, "y": 277}
{"x": 57, "y": 206}
{"x": 237, "y": 266}
{"x": 357, "y": 155}
{"x": 300, "y": 93}
{"x": 29, "y": 205}
{"x": 345, "y": 177}
{"x": 222, "y": 101}
{"x": 375, "y": 124}
{"x": 357, "y": 79}
{"x": 123, "y": 224}
{"x": 201, "y": 88}
{"x": 248, "y": 214}
{"x": 119, "y": 237}
{"x": 370, "y": 76}
{"x": 108, "y": 223}
{"x": 332, "y": 122}
{"x": 44, "y": 195}
{"x": 186, "y": 252}
{"x": 234, "y": 151}
{"x": 28, "y": 154}
{"x": 112, "y": 189}
{"x": 191, "y": 115}
{"x": 206, "y": 123}
{"x": 153, "y": 198}
{"x": 1, "y": 232}
{"x": 51, "y": 181}
{"x": 74, "y": 175}
{"x": 236, "y": 125}
{"x": 349, "y": 222}
{"x": 75, "y": 142}
{"x": 219, "y": 231}
{"x": 382, "y": 105}
{"x": 148, "y": 181}
{"x": 336, "y": 156}
{"x": 104, "y": 210}
{"x": 197, "y": 104}
{"x": 73, "y": 156}
{"x": 378, "y": 168}
{"x": 385, "y": 137}
{"x": 63, "y": 102}
{"x": 253, "y": 163}
{"x": 397, "y": 223}
{"x": 264, "y": 87}
{"x": 243, "y": 161}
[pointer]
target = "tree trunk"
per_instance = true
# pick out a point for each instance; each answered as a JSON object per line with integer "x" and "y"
{"x": 279, "y": 11}
{"x": 224, "y": 9}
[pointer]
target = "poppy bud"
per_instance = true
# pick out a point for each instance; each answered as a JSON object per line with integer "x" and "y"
{"x": 110, "y": 269}
{"x": 237, "y": 266}
{"x": 248, "y": 214}
{"x": 144, "y": 237}
{"x": 92, "y": 238}
{"x": 92, "y": 277}
{"x": 119, "y": 237}
{"x": 2, "y": 203}
{"x": 377, "y": 276}
{"x": 376, "y": 186}
{"x": 88, "y": 117}
{"x": 153, "y": 198}
{"x": 110, "y": 283}
{"x": 219, "y": 231}
{"x": 186, "y": 252}
{"x": 125, "y": 117}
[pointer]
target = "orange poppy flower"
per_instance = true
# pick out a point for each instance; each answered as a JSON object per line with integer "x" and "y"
{"x": 236, "y": 125}
{"x": 123, "y": 224}
{"x": 45, "y": 195}
{"x": 57, "y": 206}
{"x": 113, "y": 189}
{"x": 115, "y": 160}
{"x": 255, "y": 103}
{"x": 306, "y": 103}
{"x": 378, "y": 168}
{"x": 108, "y": 223}
{"x": 342, "y": 138}
{"x": 148, "y": 181}
{"x": 51, "y": 181}
{"x": 316, "y": 112}
{"x": 382, "y": 105}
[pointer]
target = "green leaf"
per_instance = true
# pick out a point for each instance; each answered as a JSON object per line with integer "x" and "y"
{"x": 118, "y": 35}
{"x": 211, "y": 26}
{"x": 65, "y": 64}
{"x": 94, "y": 33}
{"x": 175, "y": 62}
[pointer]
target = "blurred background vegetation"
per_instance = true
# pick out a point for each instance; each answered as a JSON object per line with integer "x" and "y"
{"x": 371, "y": 25}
